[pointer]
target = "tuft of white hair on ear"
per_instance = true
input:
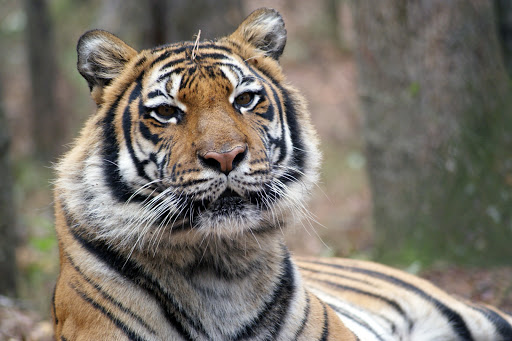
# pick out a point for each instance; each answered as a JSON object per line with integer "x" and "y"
{"x": 101, "y": 57}
{"x": 264, "y": 29}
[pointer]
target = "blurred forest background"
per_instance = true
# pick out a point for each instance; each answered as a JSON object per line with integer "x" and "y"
{"x": 412, "y": 100}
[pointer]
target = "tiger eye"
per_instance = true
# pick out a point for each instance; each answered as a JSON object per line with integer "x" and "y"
{"x": 244, "y": 99}
{"x": 166, "y": 110}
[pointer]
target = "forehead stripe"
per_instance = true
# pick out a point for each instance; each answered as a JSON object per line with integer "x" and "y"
{"x": 216, "y": 56}
{"x": 206, "y": 54}
{"x": 160, "y": 58}
{"x": 190, "y": 45}
{"x": 168, "y": 73}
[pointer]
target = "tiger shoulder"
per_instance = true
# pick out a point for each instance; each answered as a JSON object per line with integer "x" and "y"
{"x": 170, "y": 205}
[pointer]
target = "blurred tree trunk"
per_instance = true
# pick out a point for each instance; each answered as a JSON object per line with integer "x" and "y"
{"x": 8, "y": 241}
{"x": 437, "y": 128}
{"x": 332, "y": 22}
{"x": 48, "y": 128}
{"x": 504, "y": 21}
{"x": 157, "y": 30}
{"x": 184, "y": 18}
{"x": 157, "y": 22}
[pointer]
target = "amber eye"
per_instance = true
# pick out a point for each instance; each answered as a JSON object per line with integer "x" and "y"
{"x": 166, "y": 114}
{"x": 166, "y": 111}
{"x": 244, "y": 99}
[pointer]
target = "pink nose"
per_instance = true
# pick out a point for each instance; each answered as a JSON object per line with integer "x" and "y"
{"x": 225, "y": 161}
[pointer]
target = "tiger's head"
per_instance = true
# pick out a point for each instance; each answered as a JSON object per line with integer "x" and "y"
{"x": 193, "y": 136}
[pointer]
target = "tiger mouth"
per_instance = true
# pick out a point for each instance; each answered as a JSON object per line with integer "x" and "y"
{"x": 229, "y": 195}
{"x": 229, "y": 204}
{"x": 228, "y": 199}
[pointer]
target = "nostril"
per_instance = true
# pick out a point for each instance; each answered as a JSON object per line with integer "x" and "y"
{"x": 239, "y": 157}
{"x": 211, "y": 162}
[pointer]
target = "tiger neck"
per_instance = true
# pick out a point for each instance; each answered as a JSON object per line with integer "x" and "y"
{"x": 229, "y": 287}
{"x": 253, "y": 259}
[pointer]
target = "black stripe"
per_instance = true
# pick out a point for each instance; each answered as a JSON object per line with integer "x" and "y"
{"x": 119, "y": 324}
{"x": 132, "y": 271}
{"x": 325, "y": 327}
{"x": 502, "y": 326}
{"x": 274, "y": 312}
{"x": 394, "y": 304}
{"x": 109, "y": 298}
{"x": 146, "y": 133}
{"x": 269, "y": 114}
{"x": 167, "y": 74}
{"x": 287, "y": 109}
{"x": 352, "y": 278}
{"x": 110, "y": 154}
{"x": 172, "y": 63}
{"x": 136, "y": 92}
{"x": 305, "y": 319}
{"x": 229, "y": 65}
{"x": 455, "y": 320}
{"x": 127, "y": 126}
{"x": 191, "y": 75}
{"x": 299, "y": 152}
{"x": 281, "y": 143}
{"x": 215, "y": 47}
{"x": 177, "y": 49}
{"x": 120, "y": 190}
{"x": 357, "y": 320}
{"x": 62, "y": 338}
{"x": 141, "y": 61}
{"x": 391, "y": 303}
{"x": 162, "y": 57}
{"x": 154, "y": 94}
{"x": 55, "y": 319}
{"x": 214, "y": 56}
{"x": 187, "y": 45}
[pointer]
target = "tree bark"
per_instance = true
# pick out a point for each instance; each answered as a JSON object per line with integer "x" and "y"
{"x": 434, "y": 94}
{"x": 49, "y": 129}
{"x": 8, "y": 267}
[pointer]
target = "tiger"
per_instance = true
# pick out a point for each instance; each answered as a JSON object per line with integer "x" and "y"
{"x": 171, "y": 203}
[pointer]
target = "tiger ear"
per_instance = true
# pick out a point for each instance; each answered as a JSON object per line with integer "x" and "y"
{"x": 263, "y": 29}
{"x": 101, "y": 57}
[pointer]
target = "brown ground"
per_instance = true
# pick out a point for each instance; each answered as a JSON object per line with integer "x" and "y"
{"x": 490, "y": 286}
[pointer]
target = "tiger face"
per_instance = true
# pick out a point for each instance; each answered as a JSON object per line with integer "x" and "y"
{"x": 201, "y": 137}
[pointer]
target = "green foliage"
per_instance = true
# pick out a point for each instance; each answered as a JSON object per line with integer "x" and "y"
{"x": 414, "y": 89}
{"x": 37, "y": 253}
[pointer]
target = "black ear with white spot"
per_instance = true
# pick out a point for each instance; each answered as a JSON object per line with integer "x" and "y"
{"x": 101, "y": 57}
{"x": 264, "y": 29}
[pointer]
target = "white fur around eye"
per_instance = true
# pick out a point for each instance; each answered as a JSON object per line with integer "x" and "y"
{"x": 172, "y": 120}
